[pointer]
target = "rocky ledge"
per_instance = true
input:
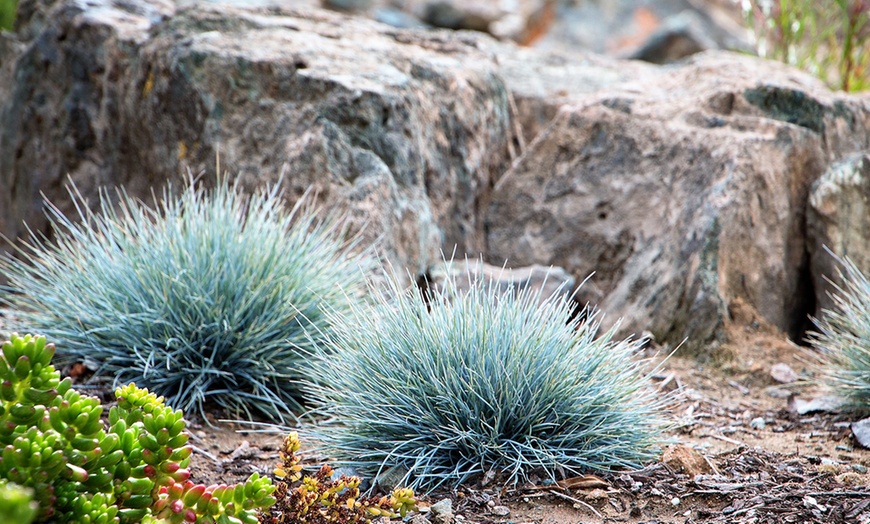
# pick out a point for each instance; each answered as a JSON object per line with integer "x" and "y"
{"x": 682, "y": 187}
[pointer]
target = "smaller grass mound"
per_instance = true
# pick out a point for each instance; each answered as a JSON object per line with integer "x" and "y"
{"x": 213, "y": 296}
{"x": 843, "y": 338}
{"x": 473, "y": 381}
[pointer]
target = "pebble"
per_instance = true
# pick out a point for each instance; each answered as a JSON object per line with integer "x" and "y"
{"x": 684, "y": 459}
{"x": 859, "y": 468}
{"x": 442, "y": 512}
{"x": 861, "y": 431}
{"x": 501, "y": 511}
{"x": 783, "y": 373}
{"x": 850, "y": 478}
{"x": 442, "y": 507}
{"x": 757, "y": 423}
{"x": 776, "y": 392}
{"x": 596, "y": 494}
{"x": 390, "y": 478}
{"x": 804, "y": 407}
{"x": 675, "y": 501}
{"x": 828, "y": 469}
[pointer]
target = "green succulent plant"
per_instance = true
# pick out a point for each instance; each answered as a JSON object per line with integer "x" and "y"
{"x": 16, "y": 504}
{"x": 214, "y": 296}
{"x": 135, "y": 470}
{"x": 473, "y": 381}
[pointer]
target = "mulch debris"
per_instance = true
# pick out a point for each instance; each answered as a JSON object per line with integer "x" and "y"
{"x": 753, "y": 486}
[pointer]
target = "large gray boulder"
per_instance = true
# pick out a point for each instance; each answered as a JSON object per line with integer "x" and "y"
{"x": 394, "y": 128}
{"x": 838, "y": 224}
{"x": 681, "y": 192}
{"x": 682, "y": 188}
{"x": 541, "y": 84}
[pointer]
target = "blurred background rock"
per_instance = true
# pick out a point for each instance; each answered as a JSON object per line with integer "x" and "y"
{"x": 657, "y": 31}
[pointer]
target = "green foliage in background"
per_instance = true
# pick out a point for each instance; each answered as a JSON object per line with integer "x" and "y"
{"x": 54, "y": 442}
{"x": 16, "y": 504}
{"x": 829, "y": 38}
{"x": 8, "y": 9}
{"x": 469, "y": 382}
{"x": 843, "y": 338}
{"x": 214, "y": 296}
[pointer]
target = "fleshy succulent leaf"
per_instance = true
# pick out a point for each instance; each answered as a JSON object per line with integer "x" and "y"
{"x": 75, "y": 470}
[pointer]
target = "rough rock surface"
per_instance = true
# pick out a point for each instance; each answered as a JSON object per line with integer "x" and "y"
{"x": 686, "y": 460}
{"x": 442, "y": 512}
{"x": 838, "y": 218}
{"x": 541, "y": 84}
{"x": 541, "y": 280}
{"x": 683, "y": 188}
{"x": 681, "y": 192}
{"x": 391, "y": 127}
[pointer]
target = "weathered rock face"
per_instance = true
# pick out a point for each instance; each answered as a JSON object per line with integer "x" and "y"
{"x": 541, "y": 84}
{"x": 683, "y": 188}
{"x": 838, "y": 218}
{"x": 541, "y": 281}
{"x": 680, "y": 192}
{"x": 390, "y": 127}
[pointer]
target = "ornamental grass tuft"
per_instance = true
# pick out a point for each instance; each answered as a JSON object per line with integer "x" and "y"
{"x": 843, "y": 338}
{"x": 466, "y": 382}
{"x": 209, "y": 297}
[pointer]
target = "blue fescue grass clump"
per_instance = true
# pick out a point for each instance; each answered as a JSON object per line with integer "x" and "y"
{"x": 208, "y": 297}
{"x": 843, "y": 338}
{"x": 469, "y": 382}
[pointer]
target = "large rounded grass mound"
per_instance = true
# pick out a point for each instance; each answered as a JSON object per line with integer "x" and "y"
{"x": 471, "y": 382}
{"x": 843, "y": 339}
{"x": 214, "y": 296}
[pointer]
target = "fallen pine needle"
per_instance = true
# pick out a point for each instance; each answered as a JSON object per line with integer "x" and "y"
{"x": 578, "y": 501}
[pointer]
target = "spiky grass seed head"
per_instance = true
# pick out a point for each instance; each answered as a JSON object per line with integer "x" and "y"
{"x": 474, "y": 381}
{"x": 213, "y": 295}
{"x": 843, "y": 338}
